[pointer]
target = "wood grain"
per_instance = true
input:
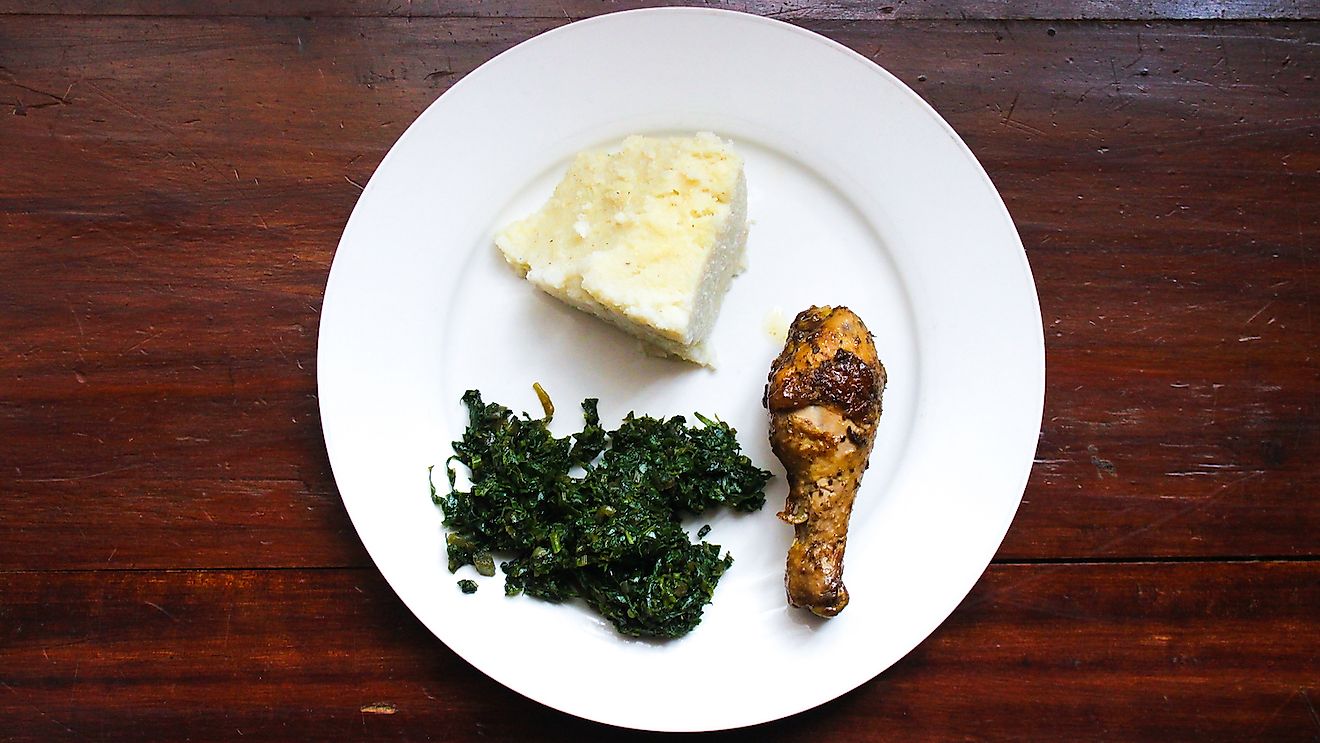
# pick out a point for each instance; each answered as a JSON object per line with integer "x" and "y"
{"x": 812, "y": 10}
{"x": 175, "y": 562}
{"x": 1060, "y": 652}
{"x": 204, "y": 523}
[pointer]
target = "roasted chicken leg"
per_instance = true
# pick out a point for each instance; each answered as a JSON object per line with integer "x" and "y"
{"x": 824, "y": 400}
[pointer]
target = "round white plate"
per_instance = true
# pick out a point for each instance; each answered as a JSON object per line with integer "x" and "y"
{"x": 860, "y": 195}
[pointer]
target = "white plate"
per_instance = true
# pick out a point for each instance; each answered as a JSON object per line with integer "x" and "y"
{"x": 860, "y": 195}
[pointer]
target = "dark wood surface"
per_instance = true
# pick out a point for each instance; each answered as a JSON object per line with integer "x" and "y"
{"x": 174, "y": 559}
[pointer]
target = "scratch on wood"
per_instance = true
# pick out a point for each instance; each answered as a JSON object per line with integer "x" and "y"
{"x": 378, "y": 708}
{"x": 1301, "y": 691}
{"x": 40, "y": 712}
{"x": 1008, "y": 121}
{"x": 1315, "y": 717}
{"x": 141, "y": 342}
{"x": 76, "y": 478}
{"x": 161, "y": 609}
{"x": 9, "y": 79}
{"x": 1195, "y": 506}
{"x": 1262, "y": 309}
{"x": 1024, "y": 127}
{"x": 278, "y": 348}
{"x": 154, "y": 123}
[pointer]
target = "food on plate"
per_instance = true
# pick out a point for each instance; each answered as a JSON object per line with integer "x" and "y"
{"x": 610, "y": 536}
{"x": 646, "y": 236}
{"x": 824, "y": 400}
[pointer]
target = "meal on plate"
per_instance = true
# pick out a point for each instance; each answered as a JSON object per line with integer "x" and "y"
{"x": 823, "y": 396}
{"x": 611, "y": 536}
{"x": 646, "y": 236}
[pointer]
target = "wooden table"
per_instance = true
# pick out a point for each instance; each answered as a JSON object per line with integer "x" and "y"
{"x": 175, "y": 561}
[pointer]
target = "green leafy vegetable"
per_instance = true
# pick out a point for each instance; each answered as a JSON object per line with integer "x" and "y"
{"x": 467, "y": 586}
{"x": 610, "y": 537}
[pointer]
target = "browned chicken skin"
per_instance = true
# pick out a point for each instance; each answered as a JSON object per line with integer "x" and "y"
{"x": 824, "y": 401}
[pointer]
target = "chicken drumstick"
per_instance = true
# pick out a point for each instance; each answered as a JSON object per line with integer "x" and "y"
{"x": 824, "y": 400}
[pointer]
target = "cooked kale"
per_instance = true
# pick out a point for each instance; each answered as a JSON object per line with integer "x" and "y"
{"x": 611, "y": 537}
{"x": 467, "y": 586}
